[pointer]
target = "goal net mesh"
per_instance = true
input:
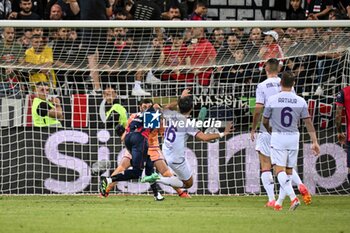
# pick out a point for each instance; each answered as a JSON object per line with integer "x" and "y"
{"x": 221, "y": 65}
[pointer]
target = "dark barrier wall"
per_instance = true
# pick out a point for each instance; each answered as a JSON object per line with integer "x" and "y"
{"x": 50, "y": 161}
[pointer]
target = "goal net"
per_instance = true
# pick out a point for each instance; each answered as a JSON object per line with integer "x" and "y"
{"x": 221, "y": 62}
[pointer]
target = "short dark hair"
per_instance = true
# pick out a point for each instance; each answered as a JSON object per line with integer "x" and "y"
{"x": 109, "y": 86}
{"x": 36, "y": 36}
{"x": 145, "y": 101}
{"x": 201, "y": 4}
{"x": 185, "y": 104}
{"x": 287, "y": 79}
{"x": 273, "y": 64}
{"x": 231, "y": 34}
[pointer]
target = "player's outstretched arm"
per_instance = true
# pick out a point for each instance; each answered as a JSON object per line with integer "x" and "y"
{"x": 256, "y": 117}
{"x": 312, "y": 132}
{"x": 173, "y": 105}
{"x": 209, "y": 137}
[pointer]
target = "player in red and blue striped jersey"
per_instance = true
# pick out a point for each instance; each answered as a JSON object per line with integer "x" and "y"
{"x": 343, "y": 102}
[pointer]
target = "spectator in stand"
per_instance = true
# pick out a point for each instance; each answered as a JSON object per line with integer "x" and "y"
{"x": 199, "y": 12}
{"x": 56, "y": 12}
{"x": 296, "y": 66}
{"x": 307, "y": 43}
{"x": 240, "y": 34}
{"x": 218, "y": 38}
{"x": 5, "y": 9}
{"x": 67, "y": 55}
{"x": 43, "y": 57}
{"x": 329, "y": 63}
{"x": 128, "y": 61}
{"x": 73, "y": 35}
{"x": 236, "y": 73}
{"x": 280, "y": 33}
{"x": 173, "y": 12}
{"x": 150, "y": 57}
{"x": 174, "y": 55}
{"x": 294, "y": 34}
{"x": 318, "y": 9}
{"x": 253, "y": 44}
{"x": 26, "y": 12}
{"x": 25, "y": 38}
{"x": 116, "y": 7}
{"x": 69, "y": 9}
{"x": 288, "y": 45}
{"x": 95, "y": 10}
{"x": 38, "y": 31}
{"x": 270, "y": 47}
{"x": 295, "y": 11}
{"x": 38, "y": 6}
{"x": 123, "y": 15}
{"x": 225, "y": 53}
{"x": 119, "y": 35}
{"x": 11, "y": 54}
{"x": 151, "y": 54}
{"x": 200, "y": 53}
{"x": 144, "y": 10}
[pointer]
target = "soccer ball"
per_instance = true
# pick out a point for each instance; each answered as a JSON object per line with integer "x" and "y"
{"x": 100, "y": 166}
{"x": 211, "y": 130}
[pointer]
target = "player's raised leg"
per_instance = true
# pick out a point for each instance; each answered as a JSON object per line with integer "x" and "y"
{"x": 301, "y": 187}
{"x": 185, "y": 179}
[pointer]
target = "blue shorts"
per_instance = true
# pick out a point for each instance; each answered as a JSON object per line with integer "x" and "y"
{"x": 137, "y": 145}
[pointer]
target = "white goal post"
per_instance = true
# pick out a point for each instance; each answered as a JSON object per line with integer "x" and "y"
{"x": 220, "y": 61}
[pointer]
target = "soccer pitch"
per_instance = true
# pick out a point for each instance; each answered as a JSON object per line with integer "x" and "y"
{"x": 142, "y": 214}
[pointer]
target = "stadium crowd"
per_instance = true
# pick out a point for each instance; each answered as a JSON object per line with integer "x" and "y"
{"x": 87, "y": 59}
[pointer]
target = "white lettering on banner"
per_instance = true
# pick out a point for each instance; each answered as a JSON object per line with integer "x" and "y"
{"x": 78, "y": 165}
{"x": 103, "y": 152}
{"x": 213, "y": 167}
{"x": 258, "y": 2}
{"x": 313, "y": 179}
{"x": 220, "y": 100}
{"x": 11, "y": 110}
{"x": 252, "y": 169}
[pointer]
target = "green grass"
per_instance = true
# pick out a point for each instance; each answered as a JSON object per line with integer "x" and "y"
{"x": 124, "y": 214}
